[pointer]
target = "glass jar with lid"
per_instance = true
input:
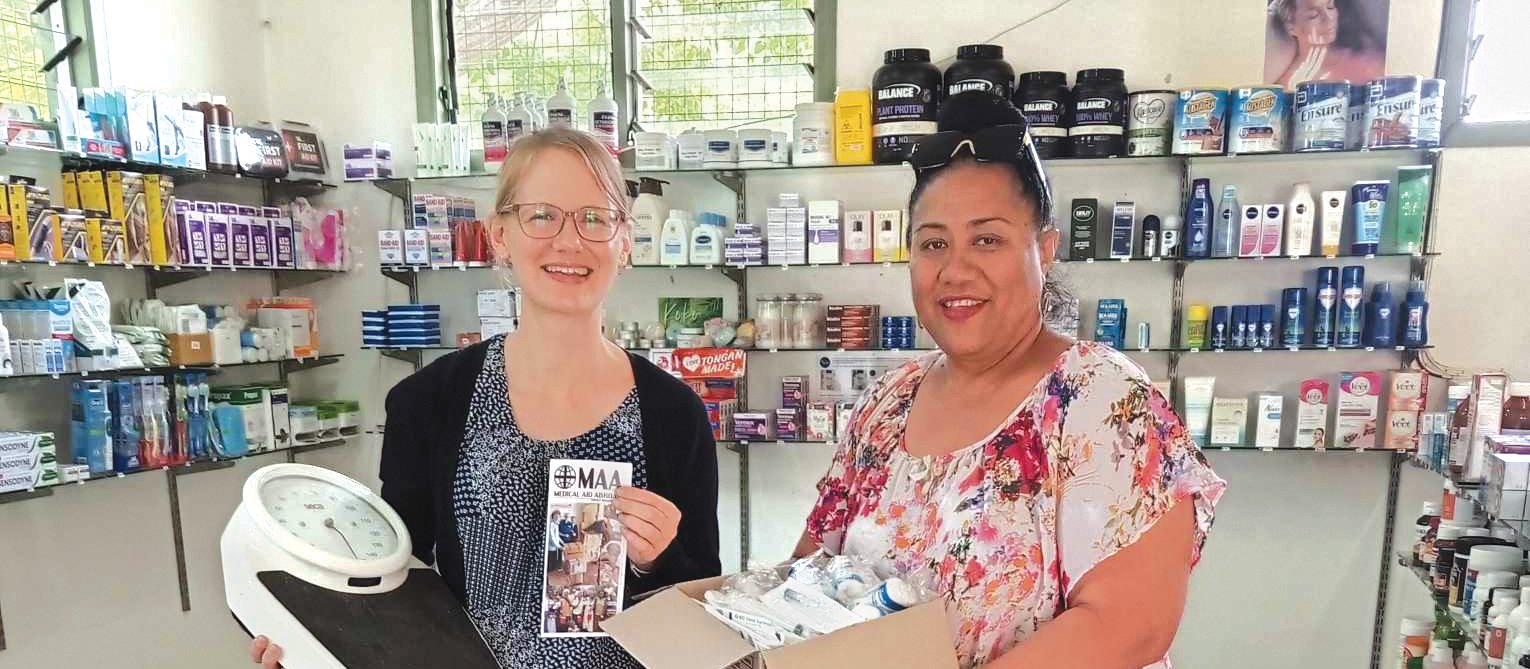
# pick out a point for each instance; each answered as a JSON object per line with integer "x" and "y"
{"x": 789, "y": 304}
{"x": 808, "y": 321}
{"x": 768, "y": 330}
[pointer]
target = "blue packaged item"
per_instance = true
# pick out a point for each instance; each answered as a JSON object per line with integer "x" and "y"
{"x": 1369, "y": 199}
{"x": 90, "y": 425}
{"x": 1415, "y": 316}
{"x": 1322, "y": 115}
{"x": 1351, "y": 316}
{"x": 228, "y": 430}
{"x": 1259, "y": 120}
{"x": 1110, "y": 323}
{"x": 125, "y": 457}
{"x": 1325, "y": 306}
{"x": 1198, "y": 213}
{"x": 1200, "y": 122}
{"x": 1391, "y": 111}
{"x": 414, "y": 308}
{"x": 1220, "y": 328}
{"x": 1293, "y": 326}
{"x": 1266, "y": 334}
{"x": 1354, "y": 135}
{"x": 1381, "y": 317}
{"x": 1431, "y": 112}
{"x": 1239, "y": 327}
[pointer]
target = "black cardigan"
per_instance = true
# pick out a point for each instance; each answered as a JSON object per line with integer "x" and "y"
{"x": 427, "y": 415}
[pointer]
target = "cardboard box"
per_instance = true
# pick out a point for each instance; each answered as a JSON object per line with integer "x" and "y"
{"x": 159, "y": 201}
{"x": 1268, "y": 408}
{"x": 1486, "y": 419}
{"x": 1407, "y": 390}
{"x": 104, "y": 239}
{"x": 254, "y": 405}
{"x": 917, "y": 638}
{"x": 190, "y": 349}
{"x": 71, "y": 190}
{"x": 281, "y": 417}
{"x": 1312, "y": 414}
{"x": 793, "y": 392}
{"x": 1229, "y": 419}
{"x": 390, "y": 247}
{"x": 820, "y": 422}
{"x": 496, "y": 303}
{"x": 1402, "y": 430}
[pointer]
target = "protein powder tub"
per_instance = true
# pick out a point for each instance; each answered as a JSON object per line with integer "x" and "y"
{"x": 1044, "y": 100}
{"x": 1099, "y": 113}
{"x": 906, "y": 98}
{"x": 980, "y": 67}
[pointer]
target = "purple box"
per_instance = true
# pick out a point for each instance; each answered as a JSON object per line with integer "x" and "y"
{"x": 753, "y": 427}
{"x": 281, "y": 237}
{"x": 789, "y": 424}
{"x": 182, "y": 232}
{"x": 239, "y": 236}
{"x": 197, "y": 249}
{"x": 218, "y": 252}
{"x": 260, "y": 238}
{"x": 793, "y": 392}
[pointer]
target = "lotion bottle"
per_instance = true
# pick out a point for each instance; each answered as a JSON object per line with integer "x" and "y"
{"x": 1333, "y": 221}
{"x": 1299, "y": 218}
{"x": 675, "y": 240}
{"x": 1198, "y": 216}
{"x": 706, "y": 242}
{"x": 648, "y": 217}
{"x": 1224, "y": 233}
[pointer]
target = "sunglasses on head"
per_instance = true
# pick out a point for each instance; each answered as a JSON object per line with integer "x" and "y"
{"x": 1007, "y": 144}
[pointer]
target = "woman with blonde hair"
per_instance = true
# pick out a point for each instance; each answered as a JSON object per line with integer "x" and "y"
{"x": 469, "y": 437}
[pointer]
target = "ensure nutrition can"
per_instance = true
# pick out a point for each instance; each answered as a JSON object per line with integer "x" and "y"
{"x": 1431, "y": 112}
{"x": 1150, "y": 122}
{"x": 1200, "y": 122}
{"x": 1354, "y": 136}
{"x": 1259, "y": 119}
{"x": 1322, "y": 116}
{"x": 1391, "y": 111}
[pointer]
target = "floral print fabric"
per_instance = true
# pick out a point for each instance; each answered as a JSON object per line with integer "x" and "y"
{"x": 1003, "y": 528}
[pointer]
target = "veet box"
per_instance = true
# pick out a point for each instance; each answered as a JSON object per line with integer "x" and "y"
{"x": 1312, "y": 414}
{"x": 1359, "y": 396}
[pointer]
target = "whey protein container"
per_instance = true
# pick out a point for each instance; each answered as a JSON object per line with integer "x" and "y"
{"x": 905, "y": 99}
{"x": 980, "y": 67}
{"x": 1044, "y": 100}
{"x": 1099, "y": 113}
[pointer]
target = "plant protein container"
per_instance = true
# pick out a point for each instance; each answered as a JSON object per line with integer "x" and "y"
{"x": 1150, "y": 122}
{"x": 1431, "y": 112}
{"x": 1322, "y": 116}
{"x": 905, "y": 99}
{"x": 1099, "y": 113}
{"x": 980, "y": 67}
{"x": 1259, "y": 119}
{"x": 1200, "y": 122}
{"x": 1044, "y": 100}
{"x": 1391, "y": 112}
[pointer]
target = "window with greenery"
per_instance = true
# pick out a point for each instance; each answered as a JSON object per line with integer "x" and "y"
{"x": 26, "y": 42}
{"x": 508, "y": 47}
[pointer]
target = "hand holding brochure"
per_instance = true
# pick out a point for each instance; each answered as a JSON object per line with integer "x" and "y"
{"x": 586, "y": 563}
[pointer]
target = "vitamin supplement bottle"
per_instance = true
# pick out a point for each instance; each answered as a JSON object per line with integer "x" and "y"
{"x": 1415, "y": 639}
{"x": 1439, "y": 656}
{"x": 1428, "y": 519}
{"x": 1516, "y": 409}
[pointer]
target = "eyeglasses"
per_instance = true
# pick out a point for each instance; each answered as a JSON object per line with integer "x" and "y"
{"x": 539, "y": 220}
{"x": 1007, "y": 144}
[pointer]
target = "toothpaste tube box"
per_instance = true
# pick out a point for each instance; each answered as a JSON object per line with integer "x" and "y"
{"x": 1312, "y": 414}
{"x": 240, "y": 236}
{"x": 1359, "y": 396}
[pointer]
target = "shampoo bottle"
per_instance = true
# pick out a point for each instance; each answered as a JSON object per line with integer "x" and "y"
{"x": 1168, "y": 245}
{"x": 706, "y": 241}
{"x": 560, "y": 107}
{"x": 1198, "y": 215}
{"x": 1415, "y": 319}
{"x": 1381, "y": 327}
{"x": 648, "y": 213}
{"x": 1249, "y": 222}
{"x": 603, "y": 120}
{"x": 1299, "y": 218}
{"x": 675, "y": 240}
{"x": 1224, "y": 235}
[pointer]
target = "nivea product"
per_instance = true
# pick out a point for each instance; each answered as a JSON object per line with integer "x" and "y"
{"x": 1168, "y": 243}
{"x": 1224, "y": 234}
{"x": 1272, "y": 225}
{"x": 1250, "y": 225}
{"x": 1300, "y": 215}
{"x": 1239, "y": 337}
{"x": 1150, "y": 235}
{"x": 1431, "y": 112}
{"x": 1391, "y": 111}
{"x": 1293, "y": 324}
{"x": 1325, "y": 306}
{"x": 1381, "y": 319}
{"x": 1221, "y": 328}
{"x": 1200, "y": 122}
{"x": 1415, "y": 316}
{"x": 1259, "y": 120}
{"x": 1351, "y": 311}
{"x": 1370, "y": 201}
{"x": 1198, "y": 215}
{"x": 1265, "y": 337}
{"x": 1331, "y": 208}
{"x": 1322, "y": 115}
{"x": 1122, "y": 218}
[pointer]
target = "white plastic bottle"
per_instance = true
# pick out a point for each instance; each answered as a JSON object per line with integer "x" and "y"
{"x": 7, "y": 365}
{"x": 1519, "y": 648}
{"x": 496, "y": 141}
{"x": 1439, "y": 656}
{"x": 1300, "y": 215}
{"x": 1168, "y": 232}
{"x": 560, "y": 107}
{"x": 1498, "y": 634}
{"x": 517, "y": 119}
{"x": 603, "y": 120}
{"x": 675, "y": 240}
{"x": 706, "y": 242}
{"x": 1473, "y": 659}
{"x": 648, "y": 212}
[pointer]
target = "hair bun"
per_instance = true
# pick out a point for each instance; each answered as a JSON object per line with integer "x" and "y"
{"x": 971, "y": 111}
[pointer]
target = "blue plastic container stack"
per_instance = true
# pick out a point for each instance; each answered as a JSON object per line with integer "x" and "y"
{"x": 374, "y": 327}
{"x": 898, "y": 332}
{"x": 414, "y": 325}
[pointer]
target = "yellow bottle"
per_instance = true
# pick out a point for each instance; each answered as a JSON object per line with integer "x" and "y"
{"x": 852, "y": 127}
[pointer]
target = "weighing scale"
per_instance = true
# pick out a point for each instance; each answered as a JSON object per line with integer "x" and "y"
{"x": 321, "y": 565}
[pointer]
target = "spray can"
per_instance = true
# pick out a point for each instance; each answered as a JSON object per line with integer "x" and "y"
{"x": 1239, "y": 338}
{"x": 1266, "y": 335}
{"x": 1198, "y": 215}
{"x": 1415, "y": 328}
{"x": 1325, "y": 306}
{"x": 1351, "y": 312}
{"x": 1383, "y": 316}
{"x": 1293, "y": 326}
{"x": 1220, "y": 328}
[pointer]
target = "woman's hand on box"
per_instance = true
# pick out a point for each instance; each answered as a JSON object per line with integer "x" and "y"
{"x": 650, "y": 523}
{"x": 268, "y": 655}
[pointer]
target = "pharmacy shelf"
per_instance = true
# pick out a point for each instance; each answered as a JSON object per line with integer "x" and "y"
{"x": 161, "y": 276}
{"x": 1291, "y": 448}
{"x": 193, "y": 467}
{"x": 1299, "y": 349}
{"x": 1461, "y": 621}
{"x": 182, "y": 175}
{"x": 289, "y": 365}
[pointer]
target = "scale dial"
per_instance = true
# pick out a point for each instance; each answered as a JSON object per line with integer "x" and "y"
{"x": 327, "y": 519}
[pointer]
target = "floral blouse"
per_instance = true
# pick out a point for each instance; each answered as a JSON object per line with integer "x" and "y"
{"x": 1003, "y": 528}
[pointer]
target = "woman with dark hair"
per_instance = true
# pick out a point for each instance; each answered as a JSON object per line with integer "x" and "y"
{"x": 1324, "y": 39}
{"x": 1040, "y": 485}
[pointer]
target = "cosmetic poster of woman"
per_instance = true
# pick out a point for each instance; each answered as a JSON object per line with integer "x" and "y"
{"x": 1325, "y": 39}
